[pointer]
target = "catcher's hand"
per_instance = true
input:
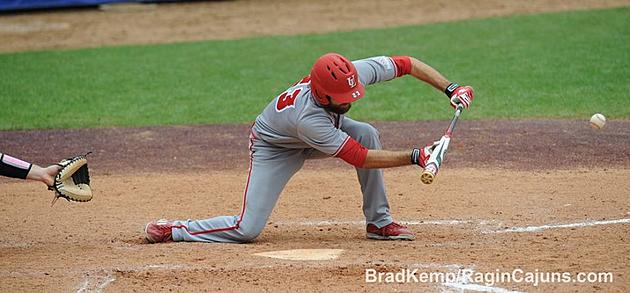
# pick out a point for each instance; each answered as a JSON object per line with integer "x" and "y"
{"x": 73, "y": 180}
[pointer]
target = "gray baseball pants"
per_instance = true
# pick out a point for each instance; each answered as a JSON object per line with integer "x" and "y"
{"x": 270, "y": 169}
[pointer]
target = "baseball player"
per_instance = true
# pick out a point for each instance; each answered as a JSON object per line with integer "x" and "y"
{"x": 307, "y": 121}
{"x": 16, "y": 168}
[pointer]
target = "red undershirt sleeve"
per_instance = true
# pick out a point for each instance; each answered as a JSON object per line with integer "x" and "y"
{"x": 352, "y": 152}
{"x": 403, "y": 65}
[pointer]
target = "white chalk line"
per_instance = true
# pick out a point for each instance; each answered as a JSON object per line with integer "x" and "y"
{"x": 461, "y": 284}
{"x": 478, "y": 288}
{"x": 529, "y": 229}
{"x": 98, "y": 283}
{"x": 476, "y": 223}
{"x": 84, "y": 286}
{"x": 94, "y": 281}
{"x": 110, "y": 278}
{"x": 362, "y": 223}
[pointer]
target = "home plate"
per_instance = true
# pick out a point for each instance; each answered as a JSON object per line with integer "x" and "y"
{"x": 303, "y": 254}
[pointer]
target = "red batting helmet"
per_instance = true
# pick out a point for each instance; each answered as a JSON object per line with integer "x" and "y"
{"x": 335, "y": 76}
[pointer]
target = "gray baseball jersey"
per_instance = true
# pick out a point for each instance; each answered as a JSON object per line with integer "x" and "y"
{"x": 295, "y": 120}
{"x": 282, "y": 138}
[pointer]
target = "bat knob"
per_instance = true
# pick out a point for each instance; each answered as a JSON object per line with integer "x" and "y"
{"x": 427, "y": 177}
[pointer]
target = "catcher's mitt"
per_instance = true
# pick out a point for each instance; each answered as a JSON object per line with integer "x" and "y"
{"x": 73, "y": 180}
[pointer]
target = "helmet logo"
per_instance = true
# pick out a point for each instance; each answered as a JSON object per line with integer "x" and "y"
{"x": 352, "y": 82}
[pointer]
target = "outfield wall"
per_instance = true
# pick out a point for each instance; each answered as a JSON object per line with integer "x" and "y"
{"x": 16, "y": 5}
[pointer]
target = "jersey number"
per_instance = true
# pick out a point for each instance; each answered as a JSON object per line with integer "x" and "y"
{"x": 287, "y": 100}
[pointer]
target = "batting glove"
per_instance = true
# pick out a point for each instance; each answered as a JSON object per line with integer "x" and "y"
{"x": 421, "y": 156}
{"x": 459, "y": 95}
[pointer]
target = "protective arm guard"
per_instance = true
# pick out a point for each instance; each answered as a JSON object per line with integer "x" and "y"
{"x": 13, "y": 167}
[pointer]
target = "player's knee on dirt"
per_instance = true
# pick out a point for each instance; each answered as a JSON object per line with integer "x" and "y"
{"x": 250, "y": 232}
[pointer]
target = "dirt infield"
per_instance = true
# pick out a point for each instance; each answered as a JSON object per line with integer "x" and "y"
{"x": 516, "y": 144}
{"x": 551, "y": 196}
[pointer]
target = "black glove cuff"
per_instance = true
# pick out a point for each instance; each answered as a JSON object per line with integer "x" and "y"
{"x": 415, "y": 156}
{"x": 450, "y": 89}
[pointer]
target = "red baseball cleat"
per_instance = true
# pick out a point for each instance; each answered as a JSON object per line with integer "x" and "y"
{"x": 159, "y": 231}
{"x": 393, "y": 231}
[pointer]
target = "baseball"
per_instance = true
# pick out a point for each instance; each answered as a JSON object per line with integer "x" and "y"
{"x": 598, "y": 121}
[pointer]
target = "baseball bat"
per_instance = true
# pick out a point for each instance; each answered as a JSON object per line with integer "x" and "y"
{"x": 437, "y": 156}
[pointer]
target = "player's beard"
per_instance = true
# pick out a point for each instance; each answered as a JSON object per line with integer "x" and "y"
{"x": 338, "y": 109}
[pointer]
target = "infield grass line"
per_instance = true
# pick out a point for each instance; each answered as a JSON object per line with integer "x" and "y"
{"x": 553, "y": 65}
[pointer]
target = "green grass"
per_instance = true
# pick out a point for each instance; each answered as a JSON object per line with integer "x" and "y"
{"x": 559, "y": 65}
